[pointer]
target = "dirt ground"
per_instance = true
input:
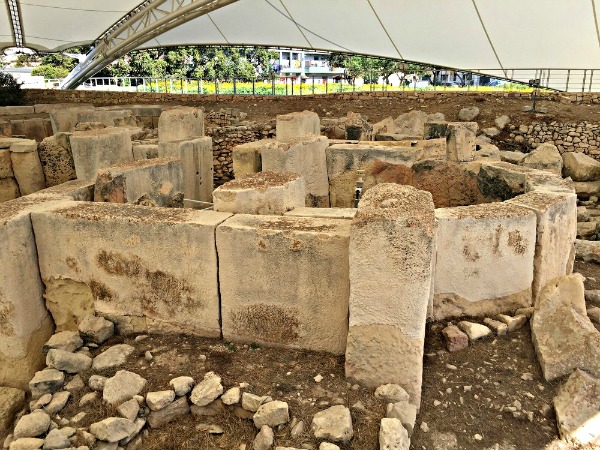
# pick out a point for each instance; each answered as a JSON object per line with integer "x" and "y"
{"x": 490, "y": 396}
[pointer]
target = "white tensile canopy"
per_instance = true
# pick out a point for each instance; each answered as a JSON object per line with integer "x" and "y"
{"x": 557, "y": 41}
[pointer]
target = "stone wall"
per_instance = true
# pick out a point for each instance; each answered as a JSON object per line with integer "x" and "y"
{"x": 582, "y": 137}
{"x": 225, "y": 138}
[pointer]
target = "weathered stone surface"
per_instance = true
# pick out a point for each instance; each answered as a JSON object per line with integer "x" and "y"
{"x": 267, "y": 193}
{"x": 563, "y": 336}
{"x": 179, "y": 407}
{"x": 392, "y": 245}
{"x": 328, "y": 446}
{"x": 58, "y": 402}
{"x": 158, "y": 400}
{"x": 107, "y": 117}
{"x": 272, "y": 414}
{"x": 580, "y": 167}
{"x": 231, "y": 396}
{"x": 545, "y": 157}
{"x": 47, "y": 381}
{"x": 474, "y": 331}
{"x": 251, "y": 402}
{"x": 182, "y": 385}
{"x": 180, "y": 123}
{"x": 485, "y": 259}
{"x": 500, "y": 328}
{"x": 95, "y": 149}
{"x": 455, "y": 339}
{"x": 36, "y": 128}
{"x": 32, "y": 425}
{"x": 24, "y": 146}
{"x": 256, "y": 308}
{"x": 65, "y": 340}
{"x": 357, "y": 127}
{"x": 405, "y": 412}
{"x": 513, "y": 323}
{"x": 96, "y": 329}
{"x": 67, "y": 361}
{"x": 333, "y": 424}
{"x": 122, "y": 387}
{"x": 28, "y": 171}
{"x": 502, "y": 121}
{"x": 385, "y": 126}
{"x": 246, "y": 158}
{"x": 97, "y": 382}
{"x": 297, "y": 125}
{"x": 264, "y": 439}
{"x": 56, "y": 157}
{"x": 65, "y": 119}
{"x": 56, "y": 439}
{"x": 577, "y": 404}
{"x": 468, "y": 114}
{"x": 207, "y": 390}
{"x": 512, "y": 157}
{"x": 556, "y": 229}
{"x": 413, "y": 122}
{"x": 392, "y": 435}
{"x": 112, "y": 429}
{"x": 5, "y": 165}
{"x": 9, "y": 189}
{"x": 391, "y": 393}
{"x": 153, "y": 182}
{"x": 114, "y": 356}
{"x": 461, "y": 141}
{"x": 323, "y": 213}
{"x": 594, "y": 314}
{"x": 145, "y": 151}
{"x": 129, "y": 409}
{"x": 119, "y": 265}
{"x": 588, "y": 251}
{"x": 197, "y": 159}
{"x": 11, "y": 402}
{"x": 26, "y": 444}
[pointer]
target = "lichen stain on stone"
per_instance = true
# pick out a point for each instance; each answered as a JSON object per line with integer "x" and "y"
{"x": 7, "y": 311}
{"x": 496, "y": 240}
{"x": 268, "y": 323}
{"x": 117, "y": 264}
{"x": 516, "y": 241}
{"x": 296, "y": 246}
{"x": 101, "y": 292}
{"x": 72, "y": 264}
{"x": 470, "y": 254}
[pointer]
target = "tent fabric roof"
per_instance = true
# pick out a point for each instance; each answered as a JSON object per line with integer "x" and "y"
{"x": 507, "y": 38}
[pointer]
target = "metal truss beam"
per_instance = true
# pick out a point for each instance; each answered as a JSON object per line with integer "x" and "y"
{"x": 149, "y": 20}
{"x": 14, "y": 13}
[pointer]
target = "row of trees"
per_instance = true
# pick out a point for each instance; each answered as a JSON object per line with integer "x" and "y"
{"x": 222, "y": 63}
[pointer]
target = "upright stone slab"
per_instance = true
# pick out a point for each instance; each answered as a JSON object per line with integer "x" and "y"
{"x": 96, "y": 149}
{"x": 292, "y": 289}
{"x": 24, "y": 321}
{"x": 297, "y": 124}
{"x": 197, "y": 158}
{"x": 108, "y": 117}
{"x": 145, "y": 151}
{"x": 485, "y": 259}
{"x": 261, "y": 193}
{"x": 148, "y": 269}
{"x": 9, "y": 189}
{"x": 247, "y": 158}
{"x": 180, "y": 124}
{"x": 461, "y": 141}
{"x": 392, "y": 245}
{"x": 150, "y": 182}
{"x": 5, "y": 165}
{"x": 556, "y": 230}
{"x": 37, "y": 129}
{"x": 64, "y": 120}
{"x": 304, "y": 156}
{"x": 56, "y": 157}
{"x": 27, "y": 167}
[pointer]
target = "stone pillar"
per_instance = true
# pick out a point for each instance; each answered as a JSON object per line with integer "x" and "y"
{"x": 27, "y": 166}
{"x": 57, "y": 159}
{"x": 96, "y": 149}
{"x": 246, "y": 158}
{"x": 461, "y": 141}
{"x": 297, "y": 124}
{"x": 180, "y": 124}
{"x": 392, "y": 242}
{"x": 261, "y": 193}
{"x": 197, "y": 158}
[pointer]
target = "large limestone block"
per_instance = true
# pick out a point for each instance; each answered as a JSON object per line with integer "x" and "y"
{"x": 5, "y": 129}
{"x": 46, "y": 108}
{"x": 292, "y": 290}
{"x": 180, "y": 123}
{"x": 5, "y": 164}
{"x": 11, "y": 402}
{"x": 65, "y": 119}
{"x": 109, "y": 118}
{"x": 261, "y": 193}
{"x": 392, "y": 249}
{"x": 24, "y": 321}
{"x": 246, "y": 158}
{"x": 484, "y": 259}
{"x": 28, "y": 170}
{"x": 15, "y": 110}
{"x": 306, "y": 157}
{"x": 122, "y": 260}
{"x": 323, "y": 213}
{"x": 577, "y": 406}
{"x": 9, "y": 189}
{"x": 57, "y": 159}
{"x": 37, "y": 128}
{"x": 580, "y": 167}
{"x": 563, "y": 336}
{"x": 545, "y": 157}
{"x": 297, "y": 125}
{"x": 150, "y": 182}
{"x": 197, "y": 158}
{"x": 145, "y": 151}
{"x": 95, "y": 149}
{"x": 556, "y": 229}
{"x": 78, "y": 190}
{"x": 461, "y": 141}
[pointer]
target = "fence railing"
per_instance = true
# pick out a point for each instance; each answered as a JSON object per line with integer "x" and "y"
{"x": 585, "y": 80}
